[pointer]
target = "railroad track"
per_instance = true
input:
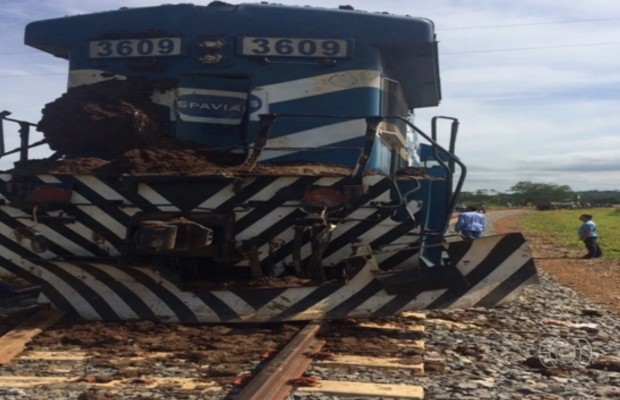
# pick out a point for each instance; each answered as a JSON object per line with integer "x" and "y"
{"x": 51, "y": 355}
{"x": 332, "y": 348}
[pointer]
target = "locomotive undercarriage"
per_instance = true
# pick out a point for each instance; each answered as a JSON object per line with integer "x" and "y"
{"x": 217, "y": 262}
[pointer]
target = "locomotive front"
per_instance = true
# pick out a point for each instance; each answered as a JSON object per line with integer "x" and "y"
{"x": 246, "y": 163}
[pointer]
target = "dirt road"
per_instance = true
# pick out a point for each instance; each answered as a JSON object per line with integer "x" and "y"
{"x": 598, "y": 279}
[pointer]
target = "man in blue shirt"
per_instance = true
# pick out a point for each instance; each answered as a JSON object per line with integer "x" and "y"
{"x": 589, "y": 236}
{"x": 471, "y": 223}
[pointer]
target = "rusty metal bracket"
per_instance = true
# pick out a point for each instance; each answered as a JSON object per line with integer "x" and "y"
{"x": 319, "y": 244}
{"x": 250, "y": 249}
{"x": 266, "y": 120}
{"x": 372, "y": 124}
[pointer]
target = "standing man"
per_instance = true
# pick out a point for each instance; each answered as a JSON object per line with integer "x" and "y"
{"x": 589, "y": 236}
{"x": 471, "y": 223}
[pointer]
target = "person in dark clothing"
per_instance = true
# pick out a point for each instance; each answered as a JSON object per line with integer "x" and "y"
{"x": 589, "y": 236}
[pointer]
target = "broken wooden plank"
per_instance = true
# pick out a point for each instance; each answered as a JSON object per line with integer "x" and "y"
{"x": 10, "y": 313}
{"x": 78, "y": 355}
{"x": 413, "y": 344}
{"x": 413, "y": 315}
{"x": 451, "y": 324}
{"x": 30, "y": 290}
{"x": 143, "y": 382}
{"x": 366, "y": 389}
{"x": 392, "y": 327}
{"x": 53, "y": 356}
{"x": 380, "y": 362}
{"x": 14, "y": 341}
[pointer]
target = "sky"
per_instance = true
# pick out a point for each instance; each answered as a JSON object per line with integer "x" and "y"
{"x": 535, "y": 84}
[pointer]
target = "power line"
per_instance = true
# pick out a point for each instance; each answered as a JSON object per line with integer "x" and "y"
{"x": 559, "y": 46}
{"x": 30, "y": 75}
{"x": 19, "y": 52}
{"x": 443, "y": 53}
{"x": 574, "y": 21}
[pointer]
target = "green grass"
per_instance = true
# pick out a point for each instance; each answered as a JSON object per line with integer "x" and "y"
{"x": 562, "y": 226}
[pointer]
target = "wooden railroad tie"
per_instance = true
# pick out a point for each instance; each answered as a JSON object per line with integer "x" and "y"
{"x": 405, "y": 391}
{"x": 366, "y": 389}
{"x": 136, "y": 383}
{"x": 14, "y": 342}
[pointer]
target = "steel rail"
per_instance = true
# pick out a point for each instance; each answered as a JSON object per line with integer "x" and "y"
{"x": 272, "y": 381}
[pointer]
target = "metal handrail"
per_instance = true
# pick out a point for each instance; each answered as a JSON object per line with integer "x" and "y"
{"x": 374, "y": 120}
{"x": 24, "y": 134}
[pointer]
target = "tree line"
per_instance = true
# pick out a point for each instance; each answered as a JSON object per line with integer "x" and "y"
{"x": 538, "y": 194}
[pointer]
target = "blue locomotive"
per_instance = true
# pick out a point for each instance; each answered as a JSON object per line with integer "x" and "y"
{"x": 245, "y": 163}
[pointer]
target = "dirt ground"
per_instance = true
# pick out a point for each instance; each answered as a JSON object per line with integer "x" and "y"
{"x": 598, "y": 279}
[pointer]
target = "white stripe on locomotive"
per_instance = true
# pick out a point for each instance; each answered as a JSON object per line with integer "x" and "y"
{"x": 322, "y": 84}
{"x": 502, "y": 272}
{"x": 151, "y": 195}
{"x": 106, "y": 294}
{"x": 475, "y": 255}
{"x": 49, "y": 234}
{"x": 193, "y": 302}
{"x": 313, "y": 138}
{"x": 223, "y": 195}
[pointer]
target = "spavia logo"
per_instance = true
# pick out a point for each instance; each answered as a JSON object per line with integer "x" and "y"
{"x": 210, "y": 106}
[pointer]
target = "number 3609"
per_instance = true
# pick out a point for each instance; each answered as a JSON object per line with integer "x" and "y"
{"x": 135, "y": 47}
{"x": 294, "y": 47}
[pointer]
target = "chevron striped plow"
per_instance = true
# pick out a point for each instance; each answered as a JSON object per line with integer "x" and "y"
{"x": 253, "y": 249}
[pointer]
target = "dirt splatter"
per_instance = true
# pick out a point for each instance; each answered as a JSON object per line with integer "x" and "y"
{"x": 117, "y": 129}
{"x": 109, "y": 116}
{"x": 137, "y": 348}
{"x": 166, "y": 161}
{"x": 117, "y": 123}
